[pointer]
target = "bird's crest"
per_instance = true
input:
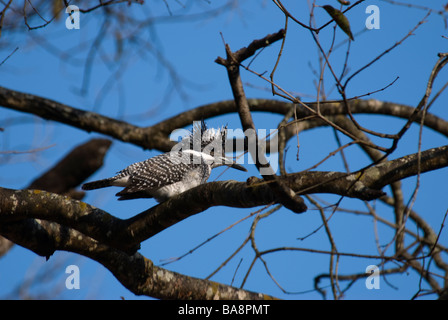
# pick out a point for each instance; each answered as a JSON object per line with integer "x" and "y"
{"x": 201, "y": 138}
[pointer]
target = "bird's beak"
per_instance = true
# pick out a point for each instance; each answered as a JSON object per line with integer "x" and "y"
{"x": 238, "y": 167}
{"x": 230, "y": 163}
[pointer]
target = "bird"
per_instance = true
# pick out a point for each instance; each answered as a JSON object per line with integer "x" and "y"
{"x": 186, "y": 166}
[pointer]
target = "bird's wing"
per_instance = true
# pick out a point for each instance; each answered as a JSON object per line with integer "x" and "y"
{"x": 156, "y": 172}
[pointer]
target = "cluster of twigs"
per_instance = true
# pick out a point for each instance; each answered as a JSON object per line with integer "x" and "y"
{"x": 358, "y": 135}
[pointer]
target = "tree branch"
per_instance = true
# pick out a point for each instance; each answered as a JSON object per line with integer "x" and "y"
{"x": 74, "y": 168}
{"x": 135, "y": 272}
{"x": 157, "y": 136}
{"x": 69, "y": 173}
{"x": 126, "y": 235}
{"x": 286, "y": 196}
{"x": 87, "y": 121}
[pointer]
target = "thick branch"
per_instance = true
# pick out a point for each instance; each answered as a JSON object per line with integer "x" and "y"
{"x": 69, "y": 173}
{"x": 157, "y": 136}
{"x": 126, "y": 235}
{"x": 407, "y": 166}
{"x": 87, "y": 121}
{"x": 135, "y": 272}
{"x": 74, "y": 168}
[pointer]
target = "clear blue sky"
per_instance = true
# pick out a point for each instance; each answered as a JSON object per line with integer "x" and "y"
{"x": 140, "y": 90}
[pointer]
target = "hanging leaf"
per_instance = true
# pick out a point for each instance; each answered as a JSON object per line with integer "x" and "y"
{"x": 340, "y": 20}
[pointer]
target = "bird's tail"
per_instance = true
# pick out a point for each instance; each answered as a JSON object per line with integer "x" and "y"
{"x": 98, "y": 184}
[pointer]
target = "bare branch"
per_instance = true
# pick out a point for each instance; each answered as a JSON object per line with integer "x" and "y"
{"x": 74, "y": 168}
{"x": 126, "y": 235}
{"x": 232, "y": 64}
{"x": 135, "y": 272}
{"x": 68, "y": 173}
{"x": 157, "y": 136}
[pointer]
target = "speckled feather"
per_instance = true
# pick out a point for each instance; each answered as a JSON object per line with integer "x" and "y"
{"x": 169, "y": 174}
{"x": 147, "y": 177}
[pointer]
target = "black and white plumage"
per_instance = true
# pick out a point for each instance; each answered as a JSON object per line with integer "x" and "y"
{"x": 188, "y": 165}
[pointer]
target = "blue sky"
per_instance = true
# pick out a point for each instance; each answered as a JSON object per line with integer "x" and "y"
{"x": 138, "y": 90}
